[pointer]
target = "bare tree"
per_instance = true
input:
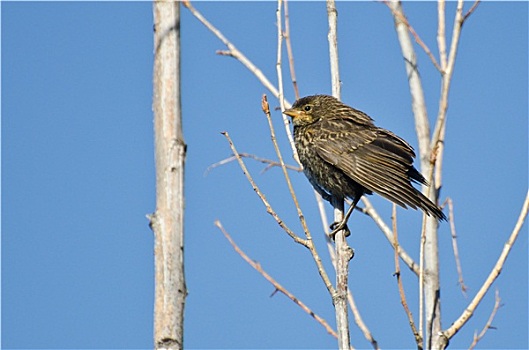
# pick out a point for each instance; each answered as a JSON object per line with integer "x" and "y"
{"x": 428, "y": 331}
{"x": 170, "y": 150}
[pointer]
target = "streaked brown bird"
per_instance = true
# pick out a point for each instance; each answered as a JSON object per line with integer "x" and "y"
{"x": 344, "y": 155}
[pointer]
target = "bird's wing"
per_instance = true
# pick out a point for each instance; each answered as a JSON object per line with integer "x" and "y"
{"x": 375, "y": 158}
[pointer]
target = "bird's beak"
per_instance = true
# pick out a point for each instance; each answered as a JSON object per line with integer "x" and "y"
{"x": 292, "y": 112}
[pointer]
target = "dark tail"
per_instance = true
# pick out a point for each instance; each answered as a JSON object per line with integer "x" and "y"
{"x": 430, "y": 208}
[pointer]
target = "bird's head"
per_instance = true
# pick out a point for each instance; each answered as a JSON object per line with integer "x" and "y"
{"x": 310, "y": 109}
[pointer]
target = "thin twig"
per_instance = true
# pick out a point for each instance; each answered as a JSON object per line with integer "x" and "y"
{"x": 269, "y": 162}
{"x": 360, "y": 322}
{"x": 488, "y": 325}
{"x": 281, "y": 96}
{"x": 373, "y": 214}
{"x": 276, "y": 285}
{"x": 232, "y": 50}
{"x": 469, "y": 311}
{"x": 437, "y": 141}
{"x": 235, "y": 53}
{"x": 269, "y": 209}
{"x": 454, "y": 246}
{"x": 416, "y": 335}
{"x": 290, "y": 53}
{"x": 401, "y": 17}
{"x": 421, "y": 278}
{"x": 471, "y": 10}
{"x": 266, "y": 110}
{"x": 332, "y": 37}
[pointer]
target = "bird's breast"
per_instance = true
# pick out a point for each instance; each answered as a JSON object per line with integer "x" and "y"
{"x": 319, "y": 171}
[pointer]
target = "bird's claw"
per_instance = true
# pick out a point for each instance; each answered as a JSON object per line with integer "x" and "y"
{"x": 337, "y": 226}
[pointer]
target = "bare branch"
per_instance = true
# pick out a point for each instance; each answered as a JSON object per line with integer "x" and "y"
{"x": 396, "y": 10}
{"x": 360, "y": 322}
{"x": 332, "y": 37}
{"x": 454, "y": 246}
{"x": 417, "y": 336}
{"x": 281, "y": 97}
{"x": 269, "y": 209}
{"x": 232, "y": 50}
{"x": 441, "y": 34}
{"x": 370, "y": 210}
{"x": 270, "y": 163}
{"x": 437, "y": 142}
{"x": 290, "y": 53}
{"x": 282, "y": 101}
{"x": 276, "y": 285}
{"x": 266, "y": 110}
{"x": 488, "y": 325}
{"x": 469, "y": 311}
{"x": 418, "y": 103}
{"x": 421, "y": 279}
{"x": 472, "y": 9}
{"x": 352, "y": 304}
{"x": 438, "y": 135}
{"x": 344, "y": 253}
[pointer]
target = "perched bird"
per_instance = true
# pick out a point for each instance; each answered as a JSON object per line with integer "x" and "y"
{"x": 344, "y": 155}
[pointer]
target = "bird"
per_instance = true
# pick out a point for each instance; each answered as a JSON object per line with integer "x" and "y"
{"x": 345, "y": 155}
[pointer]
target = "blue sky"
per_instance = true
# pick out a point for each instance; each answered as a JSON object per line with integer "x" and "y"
{"x": 78, "y": 174}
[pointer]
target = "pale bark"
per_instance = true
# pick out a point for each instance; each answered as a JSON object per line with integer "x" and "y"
{"x": 170, "y": 150}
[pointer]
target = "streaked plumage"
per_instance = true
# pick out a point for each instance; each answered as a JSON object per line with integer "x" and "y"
{"x": 344, "y": 155}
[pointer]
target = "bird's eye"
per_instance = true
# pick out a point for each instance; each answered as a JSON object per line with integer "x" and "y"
{"x": 307, "y": 108}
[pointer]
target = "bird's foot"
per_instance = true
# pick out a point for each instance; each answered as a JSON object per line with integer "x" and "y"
{"x": 337, "y": 226}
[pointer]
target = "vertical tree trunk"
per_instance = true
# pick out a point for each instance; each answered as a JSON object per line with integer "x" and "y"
{"x": 432, "y": 288}
{"x": 170, "y": 150}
